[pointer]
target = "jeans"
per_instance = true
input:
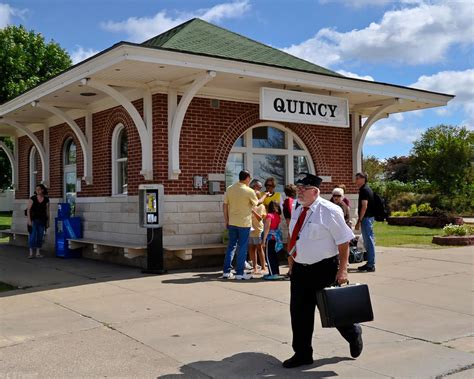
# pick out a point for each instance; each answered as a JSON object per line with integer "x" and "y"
{"x": 238, "y": 240}
{"x": 367, "y": 226}
{"x": 35, "y": 239}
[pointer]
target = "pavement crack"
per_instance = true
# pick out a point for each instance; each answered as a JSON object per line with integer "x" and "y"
{"x": 425, "y": 305}
{"x": 455, "y": 371}
{"x": 220, "y": 319}
{"x": 110, "y": 327}
{"x": 457, "y": 338}
{"x": 407, "y": 337}
{"x": 440, "y": 260}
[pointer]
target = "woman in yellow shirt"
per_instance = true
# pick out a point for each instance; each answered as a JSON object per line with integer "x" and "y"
{"x": 270, "y": 185}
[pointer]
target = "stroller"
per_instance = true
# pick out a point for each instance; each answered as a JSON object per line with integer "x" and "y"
{"x": 356, "y": 254}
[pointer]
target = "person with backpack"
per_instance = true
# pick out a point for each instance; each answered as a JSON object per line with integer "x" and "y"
{"x": 365, "y": 221}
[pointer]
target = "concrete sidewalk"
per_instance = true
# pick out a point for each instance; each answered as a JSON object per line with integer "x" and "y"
{"x": 80, "y": 318}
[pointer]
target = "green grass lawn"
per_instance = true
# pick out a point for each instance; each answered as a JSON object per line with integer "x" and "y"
{"x": 392, "y": 235}
{"x": 5, "y": 223}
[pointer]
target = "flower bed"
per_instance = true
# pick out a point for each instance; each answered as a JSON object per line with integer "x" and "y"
{"x": 456, "y": 235}
{"x": 425, "y": 221}
{"x": 453, "y": 240}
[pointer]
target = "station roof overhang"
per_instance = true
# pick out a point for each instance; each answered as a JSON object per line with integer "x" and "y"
{"x": 132, "y": 68}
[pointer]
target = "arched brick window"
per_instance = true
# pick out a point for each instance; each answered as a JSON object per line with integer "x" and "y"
{"x": 70, "y": 173}
{"x": 269, "y": 149}
{"x": 33, "y": 170}
{"x": 119, "y": 161}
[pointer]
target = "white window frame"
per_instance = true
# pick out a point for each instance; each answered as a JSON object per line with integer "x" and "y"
{"x": 248, "y": 150}
{"x": 33, "y": 172}
{"x": 67, "y": 169}
{"x": 115, "y": 160}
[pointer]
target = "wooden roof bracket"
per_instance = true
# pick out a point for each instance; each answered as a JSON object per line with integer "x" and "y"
{"x": 359, "y": 133}
{"x": 144, "y": 126}
{"x": 43, "y": 153}
{"x": 176, "y": 113}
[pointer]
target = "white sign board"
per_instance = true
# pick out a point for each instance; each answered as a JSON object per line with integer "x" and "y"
{"x": 301, "y": 107}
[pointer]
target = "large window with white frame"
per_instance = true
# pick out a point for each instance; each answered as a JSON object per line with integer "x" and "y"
{"x": 33, "y": 169}
{"x": 70, "y": 174}
{"x": 119, "y": 161}
{"x": 268, "y": 149}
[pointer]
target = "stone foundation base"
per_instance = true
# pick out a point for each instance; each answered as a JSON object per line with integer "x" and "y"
{"x": 425, "y": 221}
{"x": 453, "y": 240}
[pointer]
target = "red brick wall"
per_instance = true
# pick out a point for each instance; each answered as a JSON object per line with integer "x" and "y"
{"x": 207, "y": 137}
{"x": 104, "y": 124}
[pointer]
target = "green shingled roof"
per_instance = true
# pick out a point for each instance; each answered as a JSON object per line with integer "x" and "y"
{"x": 200, "y": 37}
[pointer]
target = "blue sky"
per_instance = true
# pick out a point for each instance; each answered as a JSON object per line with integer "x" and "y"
{"x": 419, "y": 43}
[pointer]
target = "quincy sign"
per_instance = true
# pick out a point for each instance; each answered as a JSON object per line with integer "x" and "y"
{"x": 306, "y": 108}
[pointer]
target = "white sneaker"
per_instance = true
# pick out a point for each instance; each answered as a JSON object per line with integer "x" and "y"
{"x": 243, "y": 277}
{"x": 248, "y": 266}
{"x": 228, "y": 275}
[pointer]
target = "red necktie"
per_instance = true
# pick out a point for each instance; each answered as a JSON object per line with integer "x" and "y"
{"x": 296, "y": 230}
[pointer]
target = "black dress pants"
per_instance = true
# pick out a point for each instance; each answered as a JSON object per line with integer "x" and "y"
{"x": 306, "y": 280}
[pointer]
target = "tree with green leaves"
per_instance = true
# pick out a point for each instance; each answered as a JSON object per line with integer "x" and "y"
{"x": 444, "y": 155}
{"x": 399, "y": 168}
{"x": 26, "y": 60}
{"x": 374, "y": 168}
{"x": 5, "y": 166}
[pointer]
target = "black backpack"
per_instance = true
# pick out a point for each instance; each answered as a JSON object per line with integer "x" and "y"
{"x": 380, "y": 209}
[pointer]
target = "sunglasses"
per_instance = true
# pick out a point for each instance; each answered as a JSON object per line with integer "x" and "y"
{"x": 336, "y": 195}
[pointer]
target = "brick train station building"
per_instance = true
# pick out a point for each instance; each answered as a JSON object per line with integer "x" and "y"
{"x": 187, "y": 109}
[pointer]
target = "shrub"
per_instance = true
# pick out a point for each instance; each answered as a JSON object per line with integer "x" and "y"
{"x": 399, "y": 214}
{"x": 458, "y": 230}
{"x": 414, "y": 210}
{"x": 390, "y": 188}
{"x": 424, "y": 210}
{"x": 402, "y": 201}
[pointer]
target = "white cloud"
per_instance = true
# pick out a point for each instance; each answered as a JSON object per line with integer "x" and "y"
{"x": 387, "y": 131}
{"x": 459, "y": 83}
{"x": 140, "y": 29}
{"x": 79, "y": 54}
{"x": 357, "y": 3}
{"x": 356, "y": 76}
{"x": 414, "y": 34}
{"x": 397, "y": 117}
{"x": 7, "y": 12}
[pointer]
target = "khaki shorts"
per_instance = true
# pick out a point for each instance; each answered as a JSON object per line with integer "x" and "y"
{"x": 255, "y": 240}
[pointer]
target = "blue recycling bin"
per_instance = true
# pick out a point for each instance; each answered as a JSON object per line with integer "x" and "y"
{"x": 64, "y": 210}
{"x": 66, "y": 227}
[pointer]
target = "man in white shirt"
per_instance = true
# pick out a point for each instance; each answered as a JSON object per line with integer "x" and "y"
{"x": 319, "y": 245}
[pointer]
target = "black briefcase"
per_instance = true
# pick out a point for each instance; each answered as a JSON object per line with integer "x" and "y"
{"x": 345, "y": 305}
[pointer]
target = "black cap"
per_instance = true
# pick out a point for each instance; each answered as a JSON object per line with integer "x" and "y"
{"x": 309, "y": 179}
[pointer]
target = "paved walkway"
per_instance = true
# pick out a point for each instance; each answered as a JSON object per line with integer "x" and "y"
{"x": 80, "y": 318}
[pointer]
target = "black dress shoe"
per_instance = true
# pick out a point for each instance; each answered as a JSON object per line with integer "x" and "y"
{"x": 296, "y": 361}
{"x": 357, "y": 344}
{"x": 366, "y": 268}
